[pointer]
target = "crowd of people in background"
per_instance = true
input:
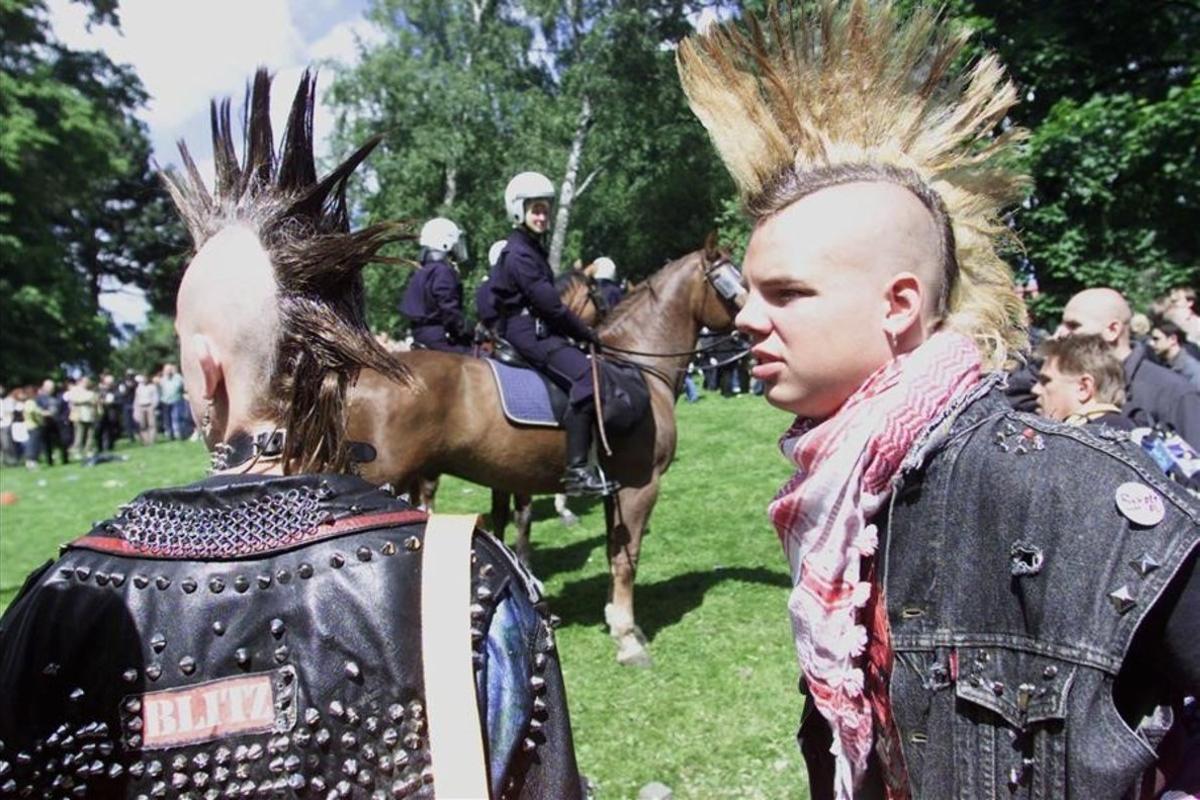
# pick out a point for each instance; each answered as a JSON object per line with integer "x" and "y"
{"x": 723, "y": 364}
{"x": 84, "y": 418}
{"x": 1139, "y": 372}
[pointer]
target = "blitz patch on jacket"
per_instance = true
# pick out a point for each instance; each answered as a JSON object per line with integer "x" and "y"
{"x": 257, "y": 703}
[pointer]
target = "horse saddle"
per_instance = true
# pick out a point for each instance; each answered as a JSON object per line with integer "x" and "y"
{"x": 530, "y": 398}
{"x": 527, "y": 396}
{"x": 502, "y": 350}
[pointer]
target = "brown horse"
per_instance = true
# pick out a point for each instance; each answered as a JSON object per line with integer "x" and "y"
{"x": 451, "y": 420}
{"x": 579, "y": 294}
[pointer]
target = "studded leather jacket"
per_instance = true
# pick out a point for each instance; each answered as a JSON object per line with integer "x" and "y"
{"x": 1014, "y": 583}
{"x": 254, "y": 637}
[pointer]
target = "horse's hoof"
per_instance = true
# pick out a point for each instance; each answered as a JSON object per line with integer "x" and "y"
{"x": 632, "y": 652}
{"x": 568, "y": 519}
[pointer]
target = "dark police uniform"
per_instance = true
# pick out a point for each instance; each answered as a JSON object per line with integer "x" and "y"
{"x": 485, "y": 304}
{"x": 433, "y": 303}
{"x": 262, "y": 636}
{"x": 533, "y": 318}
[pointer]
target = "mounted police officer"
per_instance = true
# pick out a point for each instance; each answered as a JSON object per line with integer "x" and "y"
{"x": 281, "y": 628}
{"x": 433, "y": 301}
{"x": 485, "y": 302}
{"x": 546, "y": 333}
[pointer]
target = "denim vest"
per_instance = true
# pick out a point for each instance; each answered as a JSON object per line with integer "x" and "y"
{"x": 1014, "y": 584}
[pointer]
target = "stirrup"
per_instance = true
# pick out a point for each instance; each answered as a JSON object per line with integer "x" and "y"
{"x": 588, "y": 481}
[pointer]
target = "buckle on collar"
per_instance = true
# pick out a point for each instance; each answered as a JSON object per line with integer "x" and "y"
{"x": 242, "y": 447}
{"x": 269, "y": 445}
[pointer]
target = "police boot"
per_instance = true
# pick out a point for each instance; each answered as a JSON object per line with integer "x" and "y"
{"x": 581, "y": 477}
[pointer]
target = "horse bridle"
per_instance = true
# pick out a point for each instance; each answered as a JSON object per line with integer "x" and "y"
{"x": 726, "y": 280}
{"x": 597, "y": 298}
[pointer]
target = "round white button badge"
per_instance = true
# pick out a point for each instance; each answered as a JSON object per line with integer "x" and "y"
{"x": 1140, "y": 504}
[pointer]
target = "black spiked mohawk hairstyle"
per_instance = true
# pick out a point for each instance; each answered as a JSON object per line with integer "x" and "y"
{"x": 304, "y": 225}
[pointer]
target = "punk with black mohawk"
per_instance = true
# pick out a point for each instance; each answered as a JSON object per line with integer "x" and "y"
{"x": 303, "y": 224}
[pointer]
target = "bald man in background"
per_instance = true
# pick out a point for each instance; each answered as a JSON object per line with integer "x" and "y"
{"x": 1152, "y": 393}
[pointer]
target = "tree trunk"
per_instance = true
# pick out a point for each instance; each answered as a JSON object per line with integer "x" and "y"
{"x": 566, "y": 195}
{"x": 451, "y": 186}
{"x": 91, "y": 262}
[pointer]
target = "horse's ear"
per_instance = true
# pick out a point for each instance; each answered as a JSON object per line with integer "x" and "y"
{"x": 712, "y": 250}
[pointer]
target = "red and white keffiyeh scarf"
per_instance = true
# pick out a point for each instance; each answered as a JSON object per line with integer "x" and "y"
{"x": 845, "y": 465}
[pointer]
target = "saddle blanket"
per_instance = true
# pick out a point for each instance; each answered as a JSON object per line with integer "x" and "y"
{"x": 526, "y": 397}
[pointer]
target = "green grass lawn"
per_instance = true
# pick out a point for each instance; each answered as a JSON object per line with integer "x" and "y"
{"x": 716, "y": 715}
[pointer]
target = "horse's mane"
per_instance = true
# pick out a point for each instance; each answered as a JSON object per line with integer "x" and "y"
{"x": 304, "y": 225}
{"x": 570, "y": 278}
{"x": 644, "y": 293}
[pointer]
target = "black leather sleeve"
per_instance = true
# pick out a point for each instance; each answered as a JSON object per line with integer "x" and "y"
{"x": 542, "y": 766}
{"x": 552, "y": 773}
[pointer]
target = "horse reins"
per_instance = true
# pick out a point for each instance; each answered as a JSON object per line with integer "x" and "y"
{"x": 596, "y": 399}
{"x": 696, "y": 352}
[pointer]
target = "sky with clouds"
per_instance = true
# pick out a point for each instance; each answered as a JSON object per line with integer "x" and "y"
{"x": 186, "y": 52}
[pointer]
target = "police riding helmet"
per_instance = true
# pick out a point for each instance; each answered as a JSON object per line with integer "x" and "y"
{"x": 443, "y": 236}
{"x": 524, "y": 187}
{"x": 495, "y": 250}
{"x": 605, "y": 269}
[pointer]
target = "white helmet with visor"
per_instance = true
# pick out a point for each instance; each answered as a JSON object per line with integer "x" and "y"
{"x": 444, "y": 236}
{"x": 524, "y": 187}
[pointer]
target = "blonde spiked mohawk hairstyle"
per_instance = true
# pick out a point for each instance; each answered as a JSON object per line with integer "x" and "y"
{"x": 849, "y": 91}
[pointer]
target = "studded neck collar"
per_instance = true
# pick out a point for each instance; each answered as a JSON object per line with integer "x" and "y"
{"x": 243, "y": 447}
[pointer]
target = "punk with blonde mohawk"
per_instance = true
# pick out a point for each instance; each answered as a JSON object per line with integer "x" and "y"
{"x": 850, "y": 91}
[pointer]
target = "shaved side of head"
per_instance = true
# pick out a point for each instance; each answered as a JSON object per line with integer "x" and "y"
{"x": 273, "y": 324}
{"x": 840, "y": 282}
{"x": 229, "y": 295}
{"x": 875, "y": 226}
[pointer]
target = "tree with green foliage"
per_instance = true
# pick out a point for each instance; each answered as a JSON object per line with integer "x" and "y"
{"x": 443, "y": 89}
{"x": 1110, "y": 93}
{"x": 469, "y": 93}
{"x": 1116, "y": 201}
{"x": 653, "y": 183}
{"x": 80, "y": 207}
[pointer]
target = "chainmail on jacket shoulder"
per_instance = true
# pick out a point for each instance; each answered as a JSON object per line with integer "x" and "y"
{"x": 252, "y": 525}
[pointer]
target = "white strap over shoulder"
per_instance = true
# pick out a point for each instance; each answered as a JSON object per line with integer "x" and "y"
{"x": 451, "y": 708}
